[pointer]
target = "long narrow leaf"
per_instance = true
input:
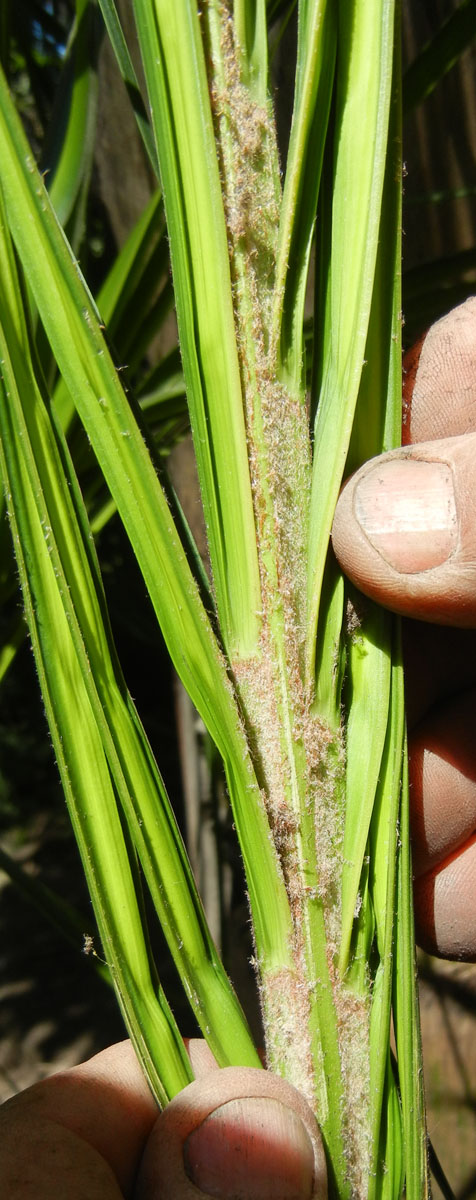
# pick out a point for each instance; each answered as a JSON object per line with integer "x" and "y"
{"x": 174, "y": 64}
{"x": 406, "y": 1018}
{"x": 252, "y": 36}
{"x": 69, "y": 151}
{"x": 313, "y": 92}
{"x": 376, "y": 428}
{"x": 383, "y": 848}
{"x": 134, "y": 775}
{"x": 363, "y": 102}
{"x": 84, "y": 770}
{"x": 69, "y": 316}
{"x": 127, "y": 272}
{"x": 126, "y": 67}
{"x": 369, "y": 681}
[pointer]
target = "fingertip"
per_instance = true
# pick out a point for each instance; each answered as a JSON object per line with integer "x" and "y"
{"x": 445, "y": 906}
{"x": 439, "y": 393}
{"x": 237, "y": 1131}
{"x": 405, "y": 531}
{"x": 443, "y": 782}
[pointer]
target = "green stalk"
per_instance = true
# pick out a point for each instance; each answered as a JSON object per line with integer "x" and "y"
{"x": 312, "y": 98}
{"x": 124, "y": 287}
{"x": 74, "y": 332}
{"x": 368, "y": 694}
{"x": 406, "y": 1018}
{"x": 251, "y": 32}
{"x": 123, "y": 297}
{"x": 69, "y": 152}
{"x": 83, "y": 768}
{"x": 134, "y": 777}
{"x": 129, "y": 77}
{"x": 269, "y": 681}
{"x": 376, "y": 428}
{"x": 383, "y": 846}
{"x": 361, "y": 126}
{"x": 169, "y": 32}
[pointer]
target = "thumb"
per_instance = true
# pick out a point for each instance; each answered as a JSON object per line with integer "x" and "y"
{"x": 405, "y": 530}
{"x": 235, "y": 1132}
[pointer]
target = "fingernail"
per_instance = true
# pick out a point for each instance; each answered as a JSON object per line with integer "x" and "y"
{"x": 254, "y": 1148}
{"x": 407, "y": 510}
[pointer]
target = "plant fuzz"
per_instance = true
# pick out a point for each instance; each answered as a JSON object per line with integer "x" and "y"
{"x": 299, "y": 760}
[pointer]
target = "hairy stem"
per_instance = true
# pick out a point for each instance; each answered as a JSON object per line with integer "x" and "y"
{"x": 299, "y": 760}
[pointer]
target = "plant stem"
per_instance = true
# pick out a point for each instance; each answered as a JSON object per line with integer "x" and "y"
{"x": 295, "y": 754}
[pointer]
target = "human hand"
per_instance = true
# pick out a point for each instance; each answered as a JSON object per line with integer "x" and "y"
{"x": 93, "y": 1133}
{"x": 405, "y": 534}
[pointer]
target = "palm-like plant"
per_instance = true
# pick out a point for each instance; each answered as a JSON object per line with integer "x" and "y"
{"x": 298, "y": 685}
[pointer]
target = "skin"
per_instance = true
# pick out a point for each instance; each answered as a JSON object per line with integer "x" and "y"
{"x": 417, "y": 555}
{"x": 93, "y": 1133}
{"x": 405, "y": 533}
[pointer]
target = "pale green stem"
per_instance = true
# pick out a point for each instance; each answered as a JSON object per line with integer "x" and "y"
{"x": 263, "y": 398}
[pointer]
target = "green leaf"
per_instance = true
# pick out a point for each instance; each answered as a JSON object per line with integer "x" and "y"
{"x": 68, "y": 155}
{"x": 383, "y": 852}
{"x": 126, "y": 67}
{"x": 65, "y": 592}
{"x": 81, "y": 760}
{"x": 406, "y": 1021}
{"x": 68, "y": 314}
{"x": 313, "y": 91}
{"x": 252, "y": 37}
{"x": 175, "y": 71}
{"x": 124, "y": 283}
{"x": 377, "y": 427}
{"x": 360, "y": 136}
{"x": 367, "y": 701}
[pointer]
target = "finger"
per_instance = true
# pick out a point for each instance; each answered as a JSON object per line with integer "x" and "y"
{"x": 443, "y": 783}
{"x": 440, "y": 400}
{"x": 440, "y": 378}
{"x": 201, "y": 1057}
{"x": 444, "y": 906}
{"x": 87, "y": 1125}
{"x": 238, "y": 1131}
{"x": 407, "y": 521}
{"x": 41, "y": 1159}
{"x": 443, "y": 818}
{"x": 405, "y": 531}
